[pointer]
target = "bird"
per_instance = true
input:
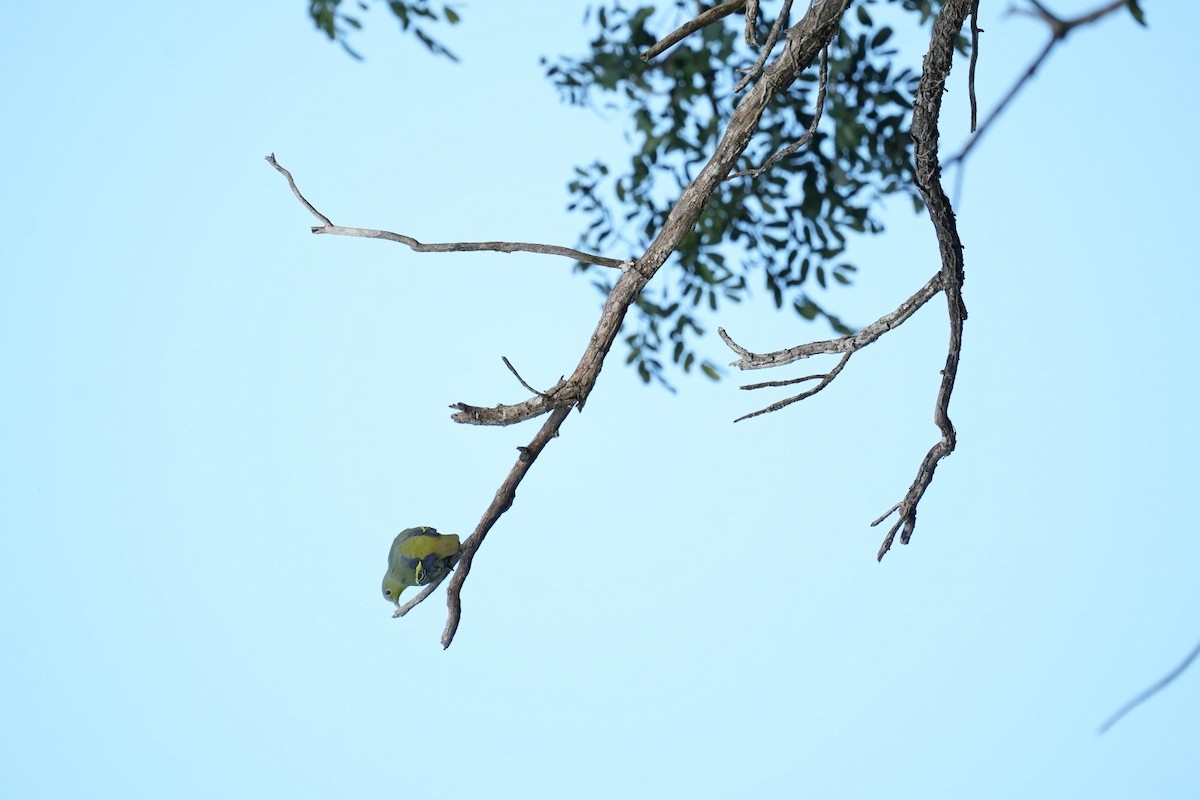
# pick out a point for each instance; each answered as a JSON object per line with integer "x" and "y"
{"x": 419, "y": 556}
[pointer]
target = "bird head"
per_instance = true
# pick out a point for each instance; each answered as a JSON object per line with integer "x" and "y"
{"x": 392, "y": 587}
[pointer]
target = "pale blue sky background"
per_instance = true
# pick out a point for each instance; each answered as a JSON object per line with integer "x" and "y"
{"x": 213, "y": 423}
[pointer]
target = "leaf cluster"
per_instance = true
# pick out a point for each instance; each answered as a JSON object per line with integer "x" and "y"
{"x": 785, "y": 231}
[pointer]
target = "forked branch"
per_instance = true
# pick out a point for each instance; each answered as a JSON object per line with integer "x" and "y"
{"x": 948, "y": 280}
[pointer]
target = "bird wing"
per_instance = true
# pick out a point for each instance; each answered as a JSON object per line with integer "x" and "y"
{"x": 421, "y": 546}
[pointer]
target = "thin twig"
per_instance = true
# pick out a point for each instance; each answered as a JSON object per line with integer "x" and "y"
{"x": 772, "y": 37}
{"x": 1150, "y": 692}
{"x": 1059, "y": 29}
{"x": 691, "y": 26}
{"x": 292, "y": 183}
{"x": 999, "y": 109}
{"x": 825, "y": 381}
{"x": 812, "y": 127}
{"x": 777, "y": 384}
{"x": 517, "y": 375}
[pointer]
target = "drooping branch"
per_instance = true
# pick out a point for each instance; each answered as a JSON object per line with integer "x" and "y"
{"x": 927, "y": 106}
{"x": 949, "y": 279}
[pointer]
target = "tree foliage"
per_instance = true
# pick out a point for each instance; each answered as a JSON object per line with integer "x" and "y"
{"x": 334, "y": 22}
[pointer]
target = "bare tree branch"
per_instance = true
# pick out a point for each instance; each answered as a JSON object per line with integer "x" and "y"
{"x": 292, "y": 183}
{"x": 443, "y": 247}
{"x": 1151, "y": 691}
{"x": 704, "y": 19}
{"x": 927, "y": 105}
{"x": 1059, "y": 29}
{"x": 845, "y": 344}
{"x": 473, "y": 247}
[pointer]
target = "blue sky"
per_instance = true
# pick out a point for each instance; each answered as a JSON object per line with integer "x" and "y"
{"x": 214, "y": 423}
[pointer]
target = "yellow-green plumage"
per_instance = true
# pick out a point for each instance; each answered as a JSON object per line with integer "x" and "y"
{"x": 418, "y": 556}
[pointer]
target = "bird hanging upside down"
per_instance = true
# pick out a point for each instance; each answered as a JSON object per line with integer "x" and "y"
{"x": 419, "y": 556}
